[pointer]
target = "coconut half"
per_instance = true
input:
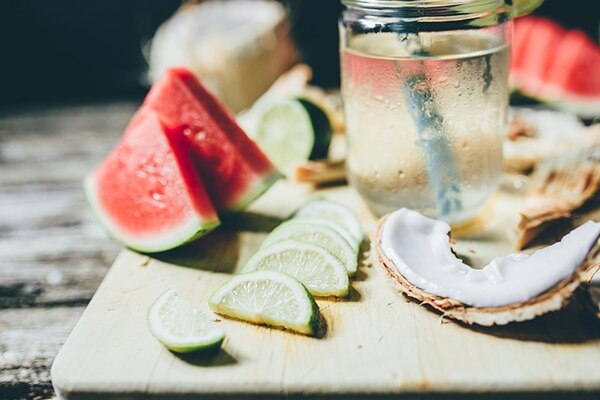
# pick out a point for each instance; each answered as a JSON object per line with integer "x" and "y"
{"x": 415, "y": 253}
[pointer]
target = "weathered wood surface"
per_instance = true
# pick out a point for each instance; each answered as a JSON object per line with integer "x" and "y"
{"x": 52, "y": 255}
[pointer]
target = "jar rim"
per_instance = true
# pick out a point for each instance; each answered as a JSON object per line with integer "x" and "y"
{"x": 486, "y": 12}
{"x": 428, "y": 7}
{"x": 422, "y": 3}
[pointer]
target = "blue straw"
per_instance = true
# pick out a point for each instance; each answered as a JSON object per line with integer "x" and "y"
{"x": 441, "y": 170}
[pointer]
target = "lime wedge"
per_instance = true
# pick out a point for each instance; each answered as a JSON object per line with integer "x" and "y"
{"x": 181, "y": 327}
{"x": 339, "y": 229}
{"x": 317, "y": 268}
{"x": 292, "y": 131}
{"x": 319, "y": 235}
{"x": 523, "y": 7}
{"x": 270, "y": 298}
{"x": 335, "y": 212}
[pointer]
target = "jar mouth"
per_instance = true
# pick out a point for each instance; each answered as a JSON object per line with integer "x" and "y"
{"x": 429, "y": 10}
{"x": 423, "y": 3}
{"x": 433, "y": 14}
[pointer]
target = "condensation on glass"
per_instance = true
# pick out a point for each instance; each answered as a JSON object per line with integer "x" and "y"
{"x": 425, "y": 94}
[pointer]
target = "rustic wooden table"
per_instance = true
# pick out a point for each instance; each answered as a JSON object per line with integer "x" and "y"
{"x": 52, "y": 254}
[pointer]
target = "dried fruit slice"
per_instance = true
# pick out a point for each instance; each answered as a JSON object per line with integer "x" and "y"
{"x": 415, "y": 253}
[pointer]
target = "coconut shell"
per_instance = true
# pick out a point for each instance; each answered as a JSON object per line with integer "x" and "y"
{"x": 553, "y": 299}
{"x": 560, "y": 188}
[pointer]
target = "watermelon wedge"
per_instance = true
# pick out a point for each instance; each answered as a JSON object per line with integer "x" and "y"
{"x": 147, "y": 193}
{"x": 533, "y": 61}
{"x": 233, "y": 168}
{"x": 556, "y": 66}
{"x": 181, "y": 160}
{"x": 519, "y": 47}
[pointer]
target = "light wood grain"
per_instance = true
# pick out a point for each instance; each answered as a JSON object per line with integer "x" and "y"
{"x": 376, "y": 342}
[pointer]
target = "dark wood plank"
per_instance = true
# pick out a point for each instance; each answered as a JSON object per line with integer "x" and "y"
{"x": 29, "y": 341}
{"x": 52, "y": 254}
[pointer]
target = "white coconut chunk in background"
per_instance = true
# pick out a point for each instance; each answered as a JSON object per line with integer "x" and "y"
{"x": 420, "y": 250}
{"x": 554, "y": 133}
{"x": 237, "y": 48}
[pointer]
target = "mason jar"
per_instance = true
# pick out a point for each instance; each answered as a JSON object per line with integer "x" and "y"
{"x": 425, "y": 95}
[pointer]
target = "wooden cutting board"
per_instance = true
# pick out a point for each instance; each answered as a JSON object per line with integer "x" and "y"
{"x": 376, "y": 342}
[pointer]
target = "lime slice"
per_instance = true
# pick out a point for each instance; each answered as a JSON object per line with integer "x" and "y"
{"x": 332, "y": 211}
{"x": 523, "y": 7}
{"x": 292, "y": 131}
{"x": 180, "y": 326}
{"x": 316, "y": 267}
{"x": 339, "y": 229}
{"x": 319, "y": 235}
{"x": 267, "y": 297}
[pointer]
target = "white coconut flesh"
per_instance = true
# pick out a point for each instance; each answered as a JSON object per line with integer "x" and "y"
{"x": 224, "y": 42}
{"x": 419, "y": 248}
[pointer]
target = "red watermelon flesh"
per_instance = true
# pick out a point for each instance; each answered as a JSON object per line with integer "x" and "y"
{"x": 576, "y": 66}
{"x": 538, "y": 53}
{"x": 522, "y": 30}
{"x": 147, "y": 193}
{"x": 557, "y": 66}
{"x": 233, "y": 168}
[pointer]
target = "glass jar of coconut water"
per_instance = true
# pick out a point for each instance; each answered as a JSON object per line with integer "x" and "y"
{"x": 425, "y": 94}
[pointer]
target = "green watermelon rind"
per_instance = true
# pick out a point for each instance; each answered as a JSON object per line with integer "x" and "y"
{"x": 584, "y": 107}
{"x": 257, "y": 189}
{"x": 152, "y": 243}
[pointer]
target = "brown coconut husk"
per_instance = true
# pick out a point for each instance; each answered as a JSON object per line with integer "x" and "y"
{"x": 553, "y": 299}
{"x": 560, "y": 188}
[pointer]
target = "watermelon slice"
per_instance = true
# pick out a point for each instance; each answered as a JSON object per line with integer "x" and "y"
{"x": 519, "y": 45}
{"x": 233, "y": 168}
{"x": 574, "y": 76}
{"x": 556, "y": 66}
{"x": 536, "y": 56}
{"x": 147, "y": 193}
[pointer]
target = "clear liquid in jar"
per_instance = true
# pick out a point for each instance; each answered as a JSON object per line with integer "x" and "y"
{"x": 419, "y": 126}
